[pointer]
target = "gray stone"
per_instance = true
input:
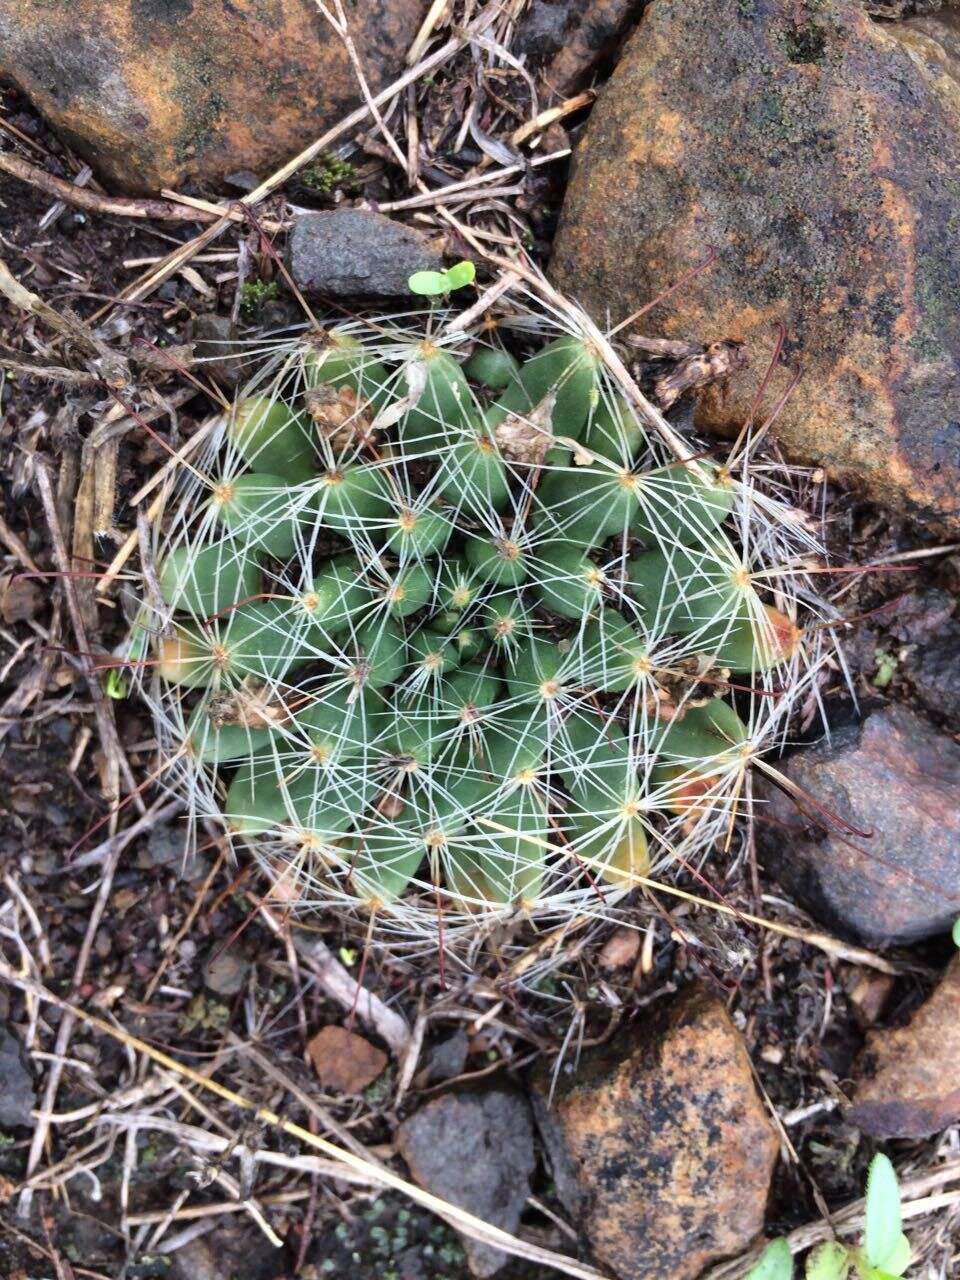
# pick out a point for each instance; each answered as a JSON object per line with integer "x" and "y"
{"x": 896, "y": 777}
{"x": 566, "y": 42}
{"x": 225, "y": 971}
{"x": 165, "y": 844}
{"x": 166, "y": 847}
{"x": 216, "y": 345}
{"x": 357, "y": 254}
{"x": 935, "y": 673}
{"x": 475, "y": 1149}
{"x": 447, "y": 1058}
{"x": 17, "y": 1096}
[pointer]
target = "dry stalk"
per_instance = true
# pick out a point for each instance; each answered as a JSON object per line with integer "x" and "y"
{"x": 465, "y": 1222}
{"x": 93, "y": 201}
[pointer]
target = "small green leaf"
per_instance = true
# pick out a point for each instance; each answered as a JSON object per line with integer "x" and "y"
{"x": 899, "y": 1257}
{"x": 460, "y": 274}
{"x": 428, "y": 283}
{"x": 116, "y": 685}
{"x": 829, "y": 1261}
{"x": 956, "y": 932}
{"x": 881, "y": 1237}
{"x": 886, "y": 669}
{"x": 775, "y": 1263}
{"x": 432, "y": 284}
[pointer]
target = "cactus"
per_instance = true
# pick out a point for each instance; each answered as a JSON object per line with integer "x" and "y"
{"x": 452, "y": 632}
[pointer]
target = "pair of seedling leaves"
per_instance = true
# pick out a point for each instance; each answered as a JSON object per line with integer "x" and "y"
{"x": 883, "y": 1255}
{"x": 469, "y": 602}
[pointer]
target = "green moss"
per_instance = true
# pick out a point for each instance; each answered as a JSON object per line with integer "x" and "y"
{"x": 255, "y": 294}
{"x": 328, "y": 173}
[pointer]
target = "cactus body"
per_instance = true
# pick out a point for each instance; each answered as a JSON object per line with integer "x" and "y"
{"x": 458, "y": 632}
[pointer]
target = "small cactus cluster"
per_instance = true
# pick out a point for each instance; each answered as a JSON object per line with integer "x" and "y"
{"x": 450, "y": 633}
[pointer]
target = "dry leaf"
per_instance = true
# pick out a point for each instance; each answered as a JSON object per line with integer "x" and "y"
{"x": 620, "y": 949}
{"x": 19, "y": 598}
{"x": 345, "y": 1062}
{"x": 528, "y": 437}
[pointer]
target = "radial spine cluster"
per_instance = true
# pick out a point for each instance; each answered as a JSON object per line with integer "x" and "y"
{"x": 448, "y": 632}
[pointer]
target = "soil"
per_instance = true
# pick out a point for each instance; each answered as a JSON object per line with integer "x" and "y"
{"x": 790, "y": 999}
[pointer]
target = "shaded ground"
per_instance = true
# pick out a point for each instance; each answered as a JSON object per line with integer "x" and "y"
{"x": 793, "y": 1003}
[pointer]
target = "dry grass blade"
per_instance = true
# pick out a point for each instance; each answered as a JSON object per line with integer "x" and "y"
{"x": 463, "y": 1221}
{"x": 552, "y": 115}
{"x": 823, "y": 941}
{"x": 68, "y": 325}
{"x": 342, "y": 987}
{"x": 116, "y": 765}
{"x": 160, "y": 475}
{"x": 105, "y": 722}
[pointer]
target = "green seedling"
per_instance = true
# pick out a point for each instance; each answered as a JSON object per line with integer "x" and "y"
{"x": 883, "y": 1254}
{"x": 775, "y": 1263}
{"x": 116, "y": 686}
{"x": 436, "y": 284}
{"x": 132, "y": 652}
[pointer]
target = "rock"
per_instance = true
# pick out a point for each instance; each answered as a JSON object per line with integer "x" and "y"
{"x": 919, "y": 616}
{"x": 196, "y": 1260}
{"x": 935, "y": 673}
{"x": 818, "y": 152}
{"x": 354, "y": 253}
{"x": 216, "y": 346}
{"x": 892, "y": 774}
{"x": 344, "y": 1062}
{"x": 620, "y": 949}
{"x": 17, "y": 1096}
{"x": 225, "y": 971}
{"x": 20, "y": 598}
{"x": 867, "y": 992}
{"x": 445, "y": 1059}
{"x": 159, "y": 93}
{"x": 924, "y": 622}
{"x": 660, "y": 1145}
{"x": 166, "y": 843}
{"x": 567, "y": 42}
{"x": 907, "y": 1076}
{"x": 475, "y": 1149}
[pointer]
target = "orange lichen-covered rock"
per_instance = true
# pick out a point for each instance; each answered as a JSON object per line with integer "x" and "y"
{"x": 818, "y": 152}
{"x": 161, "y": 93}
{"x": 908, "y": 1085}
{"x": 660, "y": 1144}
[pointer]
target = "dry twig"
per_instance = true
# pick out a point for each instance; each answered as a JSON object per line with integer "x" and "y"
{"x": 93, "y": 201}
{"x": 465, "y": 1222}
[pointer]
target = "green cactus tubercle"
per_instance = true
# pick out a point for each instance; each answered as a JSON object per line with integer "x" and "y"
{"x": 430, "y": 652}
